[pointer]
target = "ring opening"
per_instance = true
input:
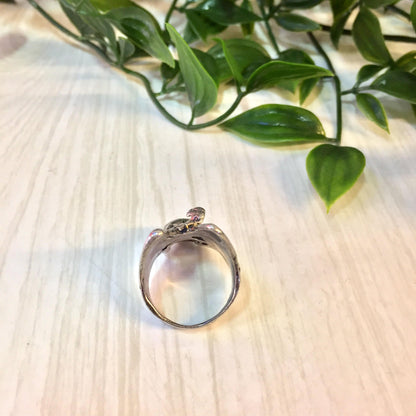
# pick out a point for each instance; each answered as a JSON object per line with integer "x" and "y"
{"x": 190, "y": 283}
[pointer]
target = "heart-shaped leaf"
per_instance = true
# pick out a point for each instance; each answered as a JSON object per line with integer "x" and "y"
{"x": 372, "y": 108}
{"x": 368, "y": 37}
{"x": 333, "y": 170}
{"x": 273, "y": 124}
{"x": 269, "y": 74}
{"x": 397, "y": 83}
{"x": 201, "y": 88}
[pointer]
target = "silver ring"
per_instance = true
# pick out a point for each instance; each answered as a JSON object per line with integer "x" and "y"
{"x": 182, "y": 230}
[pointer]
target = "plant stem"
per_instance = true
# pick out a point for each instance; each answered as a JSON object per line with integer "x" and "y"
{"x": 337, "y": 85}
{"x": 356, "y": 90}
{"x": 165, "y": 113}
{"x": 268, "y": 27}
{"x": 170, "y": 11}
{"x": 392, "y": 38}
{"x": 399, "y": 11}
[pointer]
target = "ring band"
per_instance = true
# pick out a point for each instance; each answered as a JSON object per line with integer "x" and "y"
{"x": 183, "y": 230}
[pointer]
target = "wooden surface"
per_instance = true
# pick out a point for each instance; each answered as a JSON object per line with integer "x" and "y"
{"x": 325, "y": 322}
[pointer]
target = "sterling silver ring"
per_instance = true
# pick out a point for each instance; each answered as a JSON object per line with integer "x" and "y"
{"x": 185, "y": 230}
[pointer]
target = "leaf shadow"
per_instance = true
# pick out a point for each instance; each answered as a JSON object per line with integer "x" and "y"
{"x": 10, "y": 43}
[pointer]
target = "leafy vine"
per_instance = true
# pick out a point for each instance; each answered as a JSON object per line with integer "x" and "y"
{"x": 122, "y": 33}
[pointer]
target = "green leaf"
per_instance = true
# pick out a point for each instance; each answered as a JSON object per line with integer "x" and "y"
{"x": 189, "y": 34}
{"x": 201, "y": 25}
{"x": 93, "y": 23}
{"x": 341, "y": 7}
{"x": 248, "y": 55}
{"x": 368, "y": 37}
{"x": 338, "y": 27}
{"x": 374, "y": 4}
{"x": 300, "y": 57}
{"x": 270, "y": 74}
{"x": 300, "y": 4}
{"x": 208, "y": 62}
{"x": 407, "y": 62}
{"x": 333, "y": 170}
{"x": 413, "y": 15}
{"x": 296, "y": 23}
{"x": 126, "y": 49}
{"x": 247, "y": 28}
{"x": 232, "y": 63}
{"x": 201, "y": 88}
{"x": 306, "y": 88}
{"x": 168, "y": 73}
{"x": 226, "y": 12}
{"x": 296, "y": 56}
{"x": 413, "y": 106}
{"x": 366, "y": 72}
{"x": 372, "y": 108}
{"x": 83, "y": 28}
{"x": 397, "y": 83}
{"x": 274, "y": 124}
{"x": 107, "y": 5}
{"x": 143, "y": 30}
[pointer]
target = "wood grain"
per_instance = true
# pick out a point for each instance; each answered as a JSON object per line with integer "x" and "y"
{"x": 325, "y": 323}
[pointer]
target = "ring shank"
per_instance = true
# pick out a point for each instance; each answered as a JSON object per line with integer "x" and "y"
{"x": 205, "y": 234}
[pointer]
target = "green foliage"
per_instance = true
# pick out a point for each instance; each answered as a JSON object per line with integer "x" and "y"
{"x": 273, "y": 124}
{"x": 398, "y": 83}
{"x": 296, "y": 23}
{"x": 201, "y": 88}
{"x": 338, "y": 27}
{"x": 372, "y": 108}
{"x": 407, "y": 62}
{"x": 142, "y": 29}
{"x": 367, "y": 72}
{"x": 300, "y": 4}
{"x": 375, "y": 4}
{"x": 368, "y": 37}
{"x": 413, "y": 15}
{"x": 225, "y": 12}
{"x": 247, "y": 55}
{"x": 198, "y": 61}
{"x": 270, "y": 74}
{"x": 333, "y": 170}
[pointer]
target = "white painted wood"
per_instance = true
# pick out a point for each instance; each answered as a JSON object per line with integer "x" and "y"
{"x": 325, "y": 323}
